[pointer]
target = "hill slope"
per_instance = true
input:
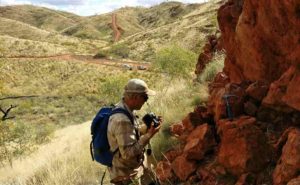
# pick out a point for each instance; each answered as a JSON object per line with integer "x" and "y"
{"x": 44, "y": 18}
{"x": 143, "y": 30}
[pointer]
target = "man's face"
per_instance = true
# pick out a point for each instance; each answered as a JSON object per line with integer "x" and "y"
{"x": 140, "y": 100}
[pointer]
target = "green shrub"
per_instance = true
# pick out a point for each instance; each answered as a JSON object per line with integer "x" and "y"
{"x": 14, "y": 140}
{"x": 121, "y": 50}
{"x": 196, "y": 101}
{"x": 101, "y": 54}
{"x": 175, "y": 61}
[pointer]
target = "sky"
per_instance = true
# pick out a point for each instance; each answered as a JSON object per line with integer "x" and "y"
{"x": 89, "y": 7}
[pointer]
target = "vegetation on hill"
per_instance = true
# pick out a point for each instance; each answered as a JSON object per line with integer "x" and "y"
{"x": 43, "y": 18}
{"x": 144, "y": 30}
{"x": 188, "y": 30}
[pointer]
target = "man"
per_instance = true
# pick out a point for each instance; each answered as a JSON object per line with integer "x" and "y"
{"x": 124, "y": 137}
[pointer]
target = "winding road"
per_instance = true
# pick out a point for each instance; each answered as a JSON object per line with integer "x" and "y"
{"x": 88, "y": 59}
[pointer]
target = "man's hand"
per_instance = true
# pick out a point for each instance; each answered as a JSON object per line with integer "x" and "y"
{"x": 153, "y": 130}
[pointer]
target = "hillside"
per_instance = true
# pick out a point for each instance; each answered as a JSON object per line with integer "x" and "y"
{"x": 21, "y": 39}
{"x": 188, "y": 30}
{"x": 143, "y": 30}
{"x": 44, "y": 18}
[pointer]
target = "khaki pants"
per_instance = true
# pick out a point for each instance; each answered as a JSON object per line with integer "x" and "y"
{"x": 144, "y": 177}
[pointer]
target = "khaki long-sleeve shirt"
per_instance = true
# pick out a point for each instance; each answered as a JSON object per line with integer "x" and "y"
{"x": 122, "y": 137}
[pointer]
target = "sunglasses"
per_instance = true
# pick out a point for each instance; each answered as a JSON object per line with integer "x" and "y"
{"x": 145, "y": 96}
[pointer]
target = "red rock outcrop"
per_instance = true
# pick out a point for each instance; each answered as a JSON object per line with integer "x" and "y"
{"x": 284, "y": 92}
{"x": 213, "y": 44}
{"x": 233, "y": 95}
{"x": 261, "y": 39}
{"x": 183, "y": 167}
{"x": 199, "y": 142}
{"x": 164, "y": 171}
{"x": 243, "y": 147}
{"x": 240, "y": 140}
{"x": 295, "y": 181}
{"x": 288, "y": 165}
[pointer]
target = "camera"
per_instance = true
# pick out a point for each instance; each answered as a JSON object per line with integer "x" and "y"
{"x": 149, "y": 118}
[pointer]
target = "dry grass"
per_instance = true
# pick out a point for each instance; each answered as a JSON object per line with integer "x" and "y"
{"x": 66, "y": 159}
{"x": 173, "y": 102}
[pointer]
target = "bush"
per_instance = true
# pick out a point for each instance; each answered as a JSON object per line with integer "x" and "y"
{"x": 121, "y": 50}
{"x": 14, "y": 140}
{"x": 101, "y": 54}
{"x": 175, "y": 61}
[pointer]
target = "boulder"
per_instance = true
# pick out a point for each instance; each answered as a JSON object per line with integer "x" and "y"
{"x": 206, "y": 176}
{"x": 250, "y": 108}
{"x": 202, "y": 112}
{"x": 199, "y": 142}
{"x": 172, "y": 154}
{"x": 288, "y": 166}
{"x": 295, "y": 181}
{"x": 233, "y": 94}
{"x": 243, "y": 147}
{"x": 191, "y": 121}
{"x": 246, "y": 179}
{"x": 177, "y": 129}
{"x": 277, "y": 91}
{"x": 164, "y": 171}
{"x": 183, "y": 167}
{"x": 220, "y": 80}
{"x": 258, "y": 90}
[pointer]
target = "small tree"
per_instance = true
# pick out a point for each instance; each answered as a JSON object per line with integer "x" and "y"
{"x": 175, "y": 61}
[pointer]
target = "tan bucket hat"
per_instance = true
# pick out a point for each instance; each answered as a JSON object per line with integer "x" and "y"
{"x": 138, "y": 86}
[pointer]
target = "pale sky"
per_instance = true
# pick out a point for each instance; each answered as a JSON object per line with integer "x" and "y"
{"x": 89, "y": 7}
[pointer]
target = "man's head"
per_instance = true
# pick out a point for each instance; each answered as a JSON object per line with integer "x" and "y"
{"x": 136, "y": 93}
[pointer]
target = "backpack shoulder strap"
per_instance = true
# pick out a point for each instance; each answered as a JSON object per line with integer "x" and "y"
{"x": 124, "y": 111}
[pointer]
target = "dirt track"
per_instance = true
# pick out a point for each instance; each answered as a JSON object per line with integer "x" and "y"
{"x": 88, "y": 59}
{"x": 116, "y": 28}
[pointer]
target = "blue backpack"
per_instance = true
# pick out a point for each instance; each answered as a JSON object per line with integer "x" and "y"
{"x": 99, "y": 146}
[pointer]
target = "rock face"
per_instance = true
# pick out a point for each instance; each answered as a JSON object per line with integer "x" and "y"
{"x": 183, "y": 167}
{"x": 261, "y": 39}
{"x": 212, "y": 45}
{"x": 284, "y": 92}
{"x": 288, "y": 166}
{"x": 243, "y": 147}
{"x": 199, "y": 142}
{"x": 294, "y": 181}
{"x": 250, "y": 131}
{"x": 164, "y": 171}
